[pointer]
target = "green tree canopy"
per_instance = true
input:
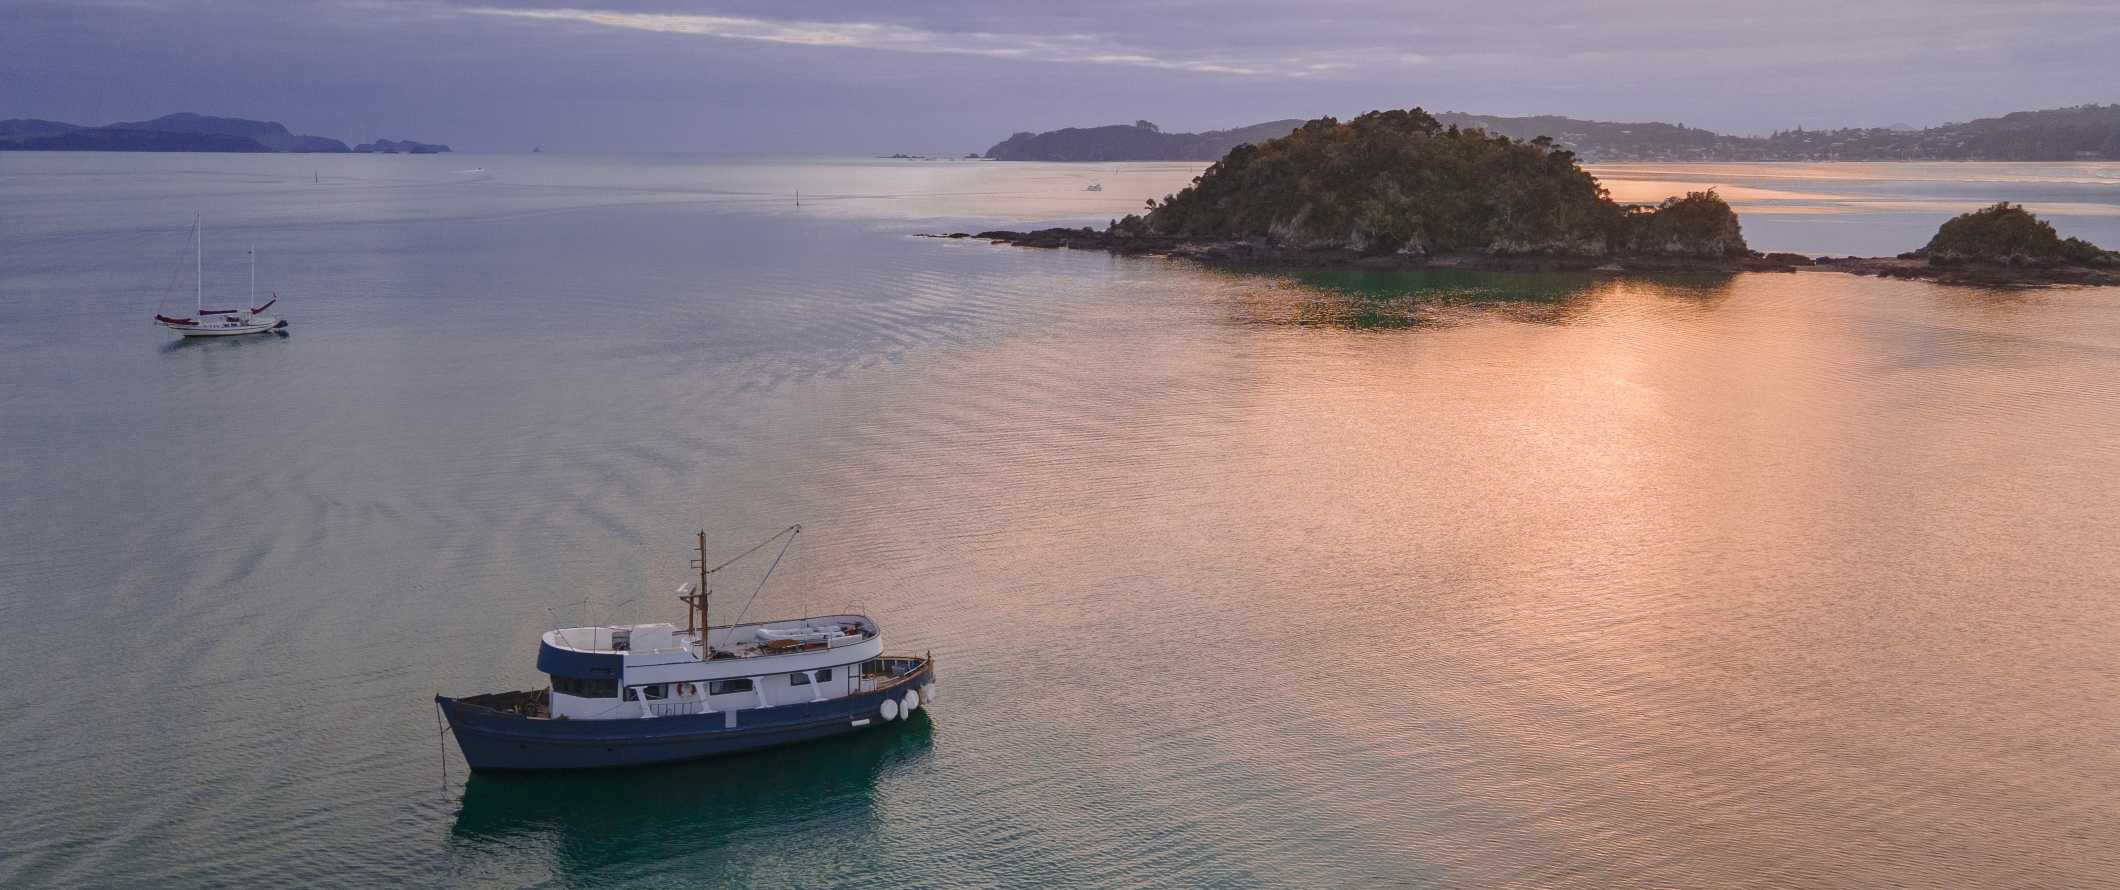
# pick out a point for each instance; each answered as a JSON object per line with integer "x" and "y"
{"x": 1400, "y": 181}
{"x": 2006, "y": 232}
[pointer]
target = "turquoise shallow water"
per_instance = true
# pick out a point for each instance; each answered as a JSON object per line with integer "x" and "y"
{"x": 1768, "y": 580}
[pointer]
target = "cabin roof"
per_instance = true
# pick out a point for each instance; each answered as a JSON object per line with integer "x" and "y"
{"x": 617, "y": 643}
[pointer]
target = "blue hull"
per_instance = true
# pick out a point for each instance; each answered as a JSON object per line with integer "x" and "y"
{"x": 498, "y": 740}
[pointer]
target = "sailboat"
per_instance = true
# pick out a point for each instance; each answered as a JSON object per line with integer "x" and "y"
{"x": 221, "y": 322}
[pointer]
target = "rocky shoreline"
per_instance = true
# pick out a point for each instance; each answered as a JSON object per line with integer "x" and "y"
{"x": 1264, "y": 253}
{"x": 1978, "y": 274}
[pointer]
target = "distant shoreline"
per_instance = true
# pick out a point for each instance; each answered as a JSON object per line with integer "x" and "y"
{"x": 185, "y": 132}
{"x": 2055, "y": 135}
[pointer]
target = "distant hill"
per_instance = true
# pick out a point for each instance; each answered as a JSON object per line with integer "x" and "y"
{"x": 113, "y": 139}
{"x": 271, "y": 134}
{"x": 183, "y": 131}
{"x": 2084, "y": 132}
{"x": 1594, "y": 140}
{"x": 388, "y": 147}
{"x": 31, "y": 128}
{"x": 1143, "y": 141}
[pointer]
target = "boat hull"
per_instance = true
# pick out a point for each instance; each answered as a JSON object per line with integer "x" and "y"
{"x": 260, "y": 326}
{"x": 495, "y": 740}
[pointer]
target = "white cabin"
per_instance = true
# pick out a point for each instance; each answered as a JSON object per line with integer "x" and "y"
{"x": 632, "y": 671}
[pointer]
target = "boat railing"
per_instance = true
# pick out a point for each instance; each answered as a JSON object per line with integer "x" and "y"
{"x": 619, "y": 638}
{"x": 895, "y": 670}
{"x": 529, "y": 703}
{"x": 677, "y": 708}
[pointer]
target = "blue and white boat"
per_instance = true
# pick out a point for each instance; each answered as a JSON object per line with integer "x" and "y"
{"x": 635, "y": 694}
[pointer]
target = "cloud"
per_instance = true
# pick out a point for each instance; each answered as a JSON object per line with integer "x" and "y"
{"x": 769, "y": 75}
{"x": 1085, "y": 49}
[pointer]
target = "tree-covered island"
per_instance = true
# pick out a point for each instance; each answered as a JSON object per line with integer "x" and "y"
{"x": 1397, "y": 189}
{"x": 1999, "y": 244}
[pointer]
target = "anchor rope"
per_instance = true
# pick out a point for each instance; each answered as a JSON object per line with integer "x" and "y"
{"x": 442, "y": 731}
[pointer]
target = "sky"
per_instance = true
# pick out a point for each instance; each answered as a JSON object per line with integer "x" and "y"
{"x": 958, "y": 75}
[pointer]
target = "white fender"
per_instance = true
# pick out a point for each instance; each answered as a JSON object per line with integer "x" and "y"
{"x": 912, "y": 702}
{"x": 890, "y": 709}
{"x": 928, "y": 698}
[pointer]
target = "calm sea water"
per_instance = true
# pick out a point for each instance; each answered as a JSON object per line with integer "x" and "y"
{"x": 1769, "y": 580}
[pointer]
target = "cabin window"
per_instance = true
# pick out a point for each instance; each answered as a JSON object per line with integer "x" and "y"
{"x": 798, "y": 679}
{"x": 580, "y": 688}
{"x": 824, "y": 674}
{"x": 724, "y": 687}
{"x": 657, "y": 692}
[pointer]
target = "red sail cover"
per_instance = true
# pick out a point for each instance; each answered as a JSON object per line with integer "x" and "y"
{"x": 268, "y": 305}
{"x": 167, "y": 320}
{"x": 219, "y": 311}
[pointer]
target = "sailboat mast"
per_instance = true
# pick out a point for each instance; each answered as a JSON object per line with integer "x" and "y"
{"x": 702, "y": 590}
{"x": 253, "y": 277}
{"x": 198, "y": 265}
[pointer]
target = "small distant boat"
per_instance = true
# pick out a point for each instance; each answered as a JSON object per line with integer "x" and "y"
{"x": 221, "y": 322}
{"x": 1095, "y": 187}
{"x": 635, "y": 694}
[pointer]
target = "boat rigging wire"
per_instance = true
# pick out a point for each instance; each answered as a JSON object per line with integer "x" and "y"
{"x": 614, "y": 607}
{"x": 796, "y": 528}
{"x": 791, "y": 531}
{"x": 170, "y": 290}
{"x": 552, "y": 620}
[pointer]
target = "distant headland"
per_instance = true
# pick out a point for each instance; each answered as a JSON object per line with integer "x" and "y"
{"x": 1141, "y": 141}
{"x": 185, "y": 131}
{"x": 1399, "y": 189}
{"x": 2084, "y": 132}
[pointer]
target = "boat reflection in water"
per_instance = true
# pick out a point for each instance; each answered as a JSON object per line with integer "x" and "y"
{"x": 219, "y": 343}
{"x": 716, "y": 813}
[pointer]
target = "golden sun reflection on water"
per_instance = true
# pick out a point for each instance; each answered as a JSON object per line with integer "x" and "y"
{"x": 1703, "y": 573}
{"x": 1843, "y": 189}
{"x": 1650, "y": 191}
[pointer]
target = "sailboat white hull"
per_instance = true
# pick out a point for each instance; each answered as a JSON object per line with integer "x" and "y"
{"x": 258, "y": 325}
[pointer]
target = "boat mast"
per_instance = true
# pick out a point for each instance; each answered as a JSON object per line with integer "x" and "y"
{"x": 703, "y": 625}
{"x": 253, "y": 276}
{"x": 198, "y": 265}
{"x": 696, "y": 603}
